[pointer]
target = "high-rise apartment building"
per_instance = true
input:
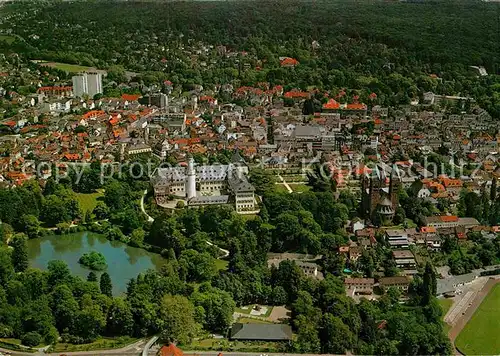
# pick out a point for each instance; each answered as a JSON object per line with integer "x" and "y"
{"x": 87, "y": 84}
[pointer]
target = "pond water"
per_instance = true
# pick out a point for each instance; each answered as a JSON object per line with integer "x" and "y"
{"x": 124, "y": 262}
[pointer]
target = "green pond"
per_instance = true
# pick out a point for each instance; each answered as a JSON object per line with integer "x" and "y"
{"x": 124, "y": 262}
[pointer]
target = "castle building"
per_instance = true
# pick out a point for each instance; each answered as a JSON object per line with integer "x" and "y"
{"x": 380, "y": 195}
{"x": 205, "y": 185}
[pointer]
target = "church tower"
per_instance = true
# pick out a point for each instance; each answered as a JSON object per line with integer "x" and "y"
{"x": 191, "y": 180}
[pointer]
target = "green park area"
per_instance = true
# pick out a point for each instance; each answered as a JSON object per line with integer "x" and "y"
{"x": 445, "y": 304}
{"x": 7, "y": 38}
{"x": 299, "y": 187}
{"x": 104, "y": 343}
{"x": 221, "y": 265}
{"x": 480, "y": 335}
{"x": 88, "y": 201}
{"x": 70, "y": 68}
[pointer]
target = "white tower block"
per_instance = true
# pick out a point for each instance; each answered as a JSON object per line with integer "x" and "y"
{"x": 191, "y": 179}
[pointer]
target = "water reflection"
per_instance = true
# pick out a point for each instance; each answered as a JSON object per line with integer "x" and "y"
{"x": 124, "y": 262}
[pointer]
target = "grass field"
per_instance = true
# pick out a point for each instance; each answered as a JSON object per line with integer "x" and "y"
{"x": 100, "y": 344}
{"x": 221, "y": 264}
{"x": 445, "y": 304}
{"x": 300, "y": 188}
{"x": 280, "y": 188}
{"x": 15, "y": 344}
{"x": 88, "y": 201}
{"x": 481, "y": 334}
{"x": 70, "y": 68}
{"x": 7, "y": 38}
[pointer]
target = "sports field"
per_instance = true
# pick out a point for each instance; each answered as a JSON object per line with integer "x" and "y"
{"x": 70, "y": 68}
{"x": 481, "y": 334}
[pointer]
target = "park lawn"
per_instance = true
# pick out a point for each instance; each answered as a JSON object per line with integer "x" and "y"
{"x": 280, "y": 188}
{"x": 480, "y": 335}
{"x": 221, "y": 265}
{"x": 15, "y": 345}
{"x": 299, "y": 188}
{"x": 445, "y": 304}
{"x": 249, "y": 216}
{"x": 100, "y": 344}
{"x": 88, "y": 201}
{"x": 7, "y": 38}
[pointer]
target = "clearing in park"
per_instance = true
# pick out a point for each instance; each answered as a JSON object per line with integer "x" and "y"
{"x": 481, "y": 334}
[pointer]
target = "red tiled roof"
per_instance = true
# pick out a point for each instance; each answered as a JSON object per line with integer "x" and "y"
{"x": 170, "y": 350}
{"x": 93, "y": 113}
{"x": 72, "y": 156}
{"x": 10, "y": 123}
{"x": 207, "y": 98}
{"x": 332, "y": 104}
{"x": 294, "y": 94}
{"x": 131, "y": 97}
{"x": 448, "y": 218}
{"x": 55, "y": 89}
{"x": 289, "y": 62}
{"x": 356, "y": 106}
{"x": 114, "y": 120}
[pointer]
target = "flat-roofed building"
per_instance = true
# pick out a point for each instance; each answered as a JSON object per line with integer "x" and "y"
{"x": 404, "y": 259}
{"x": 397, "y": 238}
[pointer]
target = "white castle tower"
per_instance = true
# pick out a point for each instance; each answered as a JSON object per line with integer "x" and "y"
{"x": 191, "y": 179}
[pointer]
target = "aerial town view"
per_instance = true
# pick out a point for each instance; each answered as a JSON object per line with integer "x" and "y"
{"x": 249, "y": 177}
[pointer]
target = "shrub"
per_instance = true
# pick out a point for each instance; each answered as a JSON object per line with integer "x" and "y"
{"x": 31, "y": 338}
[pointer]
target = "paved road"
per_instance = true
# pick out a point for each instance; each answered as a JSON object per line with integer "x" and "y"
{"x": 285, "y": 184}
{"x": 147, "y": 347}
{"x": 150, "y": 219}
{"x": 464, "y": 319}
{"x": 129, "y": 350}
{"x": 225, "y": 253}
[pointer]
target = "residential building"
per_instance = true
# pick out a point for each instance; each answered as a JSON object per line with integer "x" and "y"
{"x": 450, "y": 221}
{"x": 356, "y": 286}
{"x": 309, "y": 268}
{"x": 87, "y": 84}
{"x": 400, "y": 282}
{"x": 397, "y": 238}
{"x": 404, "y": 259}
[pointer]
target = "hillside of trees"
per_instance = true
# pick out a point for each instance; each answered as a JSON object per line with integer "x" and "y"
{"x": 390, "y": 48}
